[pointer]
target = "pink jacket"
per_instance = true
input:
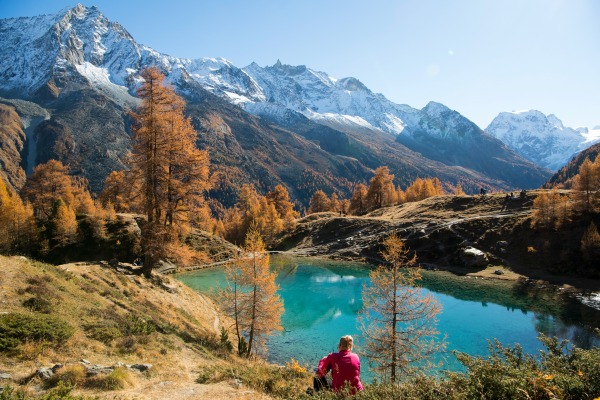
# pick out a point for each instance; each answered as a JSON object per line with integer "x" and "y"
{"x": 344, "y": 366}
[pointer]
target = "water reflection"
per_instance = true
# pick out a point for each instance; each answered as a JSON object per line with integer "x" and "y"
{"x": 322, "y": 300}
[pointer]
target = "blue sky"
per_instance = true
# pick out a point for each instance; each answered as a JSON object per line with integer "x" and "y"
{"x": 479, "y": 57}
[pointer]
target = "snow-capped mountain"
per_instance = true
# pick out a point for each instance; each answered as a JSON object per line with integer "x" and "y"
{"x": 541, "y": 138}
{"x": 40, "y": 53}
{"x": 86, "y": 68}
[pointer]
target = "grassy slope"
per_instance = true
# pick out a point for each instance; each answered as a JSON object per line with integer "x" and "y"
{"x": 84, "y": 295}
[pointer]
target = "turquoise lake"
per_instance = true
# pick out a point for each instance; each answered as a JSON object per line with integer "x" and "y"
{"x": 322, "y": 300}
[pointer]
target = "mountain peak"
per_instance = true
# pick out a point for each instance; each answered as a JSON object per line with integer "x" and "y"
{"x": 79, "y": 9}
{"x": 540, "y": 138}
{"x": 553, "y": 119}
{"x": 352, "y": 84}
{"x": 435, "y": 109}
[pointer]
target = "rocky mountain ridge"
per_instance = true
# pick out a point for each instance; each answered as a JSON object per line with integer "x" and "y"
{"x": 540, "y": 138}
{"x": 82, "y": 69}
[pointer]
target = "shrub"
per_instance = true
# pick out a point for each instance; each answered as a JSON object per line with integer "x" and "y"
{"x": 562, "y": 371}
{"x": 102, "y": 333}
{"x": 113, "y": 326}
{"x": 61, "y": 392}
{"x": 68, "y": 376}
{"x": 38, "y": 304}
{"x": 17, "y": 328}
{"x": 277, "y": 381}
{"x": 295, "y": 367}
{"x": 119, "y": 378}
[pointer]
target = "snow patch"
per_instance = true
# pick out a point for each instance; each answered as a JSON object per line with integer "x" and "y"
{"x": 591, "y": 300}
{"x": 94, "y": 74}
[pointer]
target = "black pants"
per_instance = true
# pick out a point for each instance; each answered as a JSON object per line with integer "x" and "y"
{"x": 321, "y": 383}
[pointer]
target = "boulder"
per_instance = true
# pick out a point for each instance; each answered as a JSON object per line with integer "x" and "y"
{"x": 94, "y": 370}
{"x": 472, "y": 257}
{"x": 45, "y": 373}
{"x": 141, "y": 367}
{"x": 5, "y": 376}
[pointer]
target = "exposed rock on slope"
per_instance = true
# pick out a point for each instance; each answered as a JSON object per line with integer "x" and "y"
{"x": 12, "y": 141}
{"x": 441, "y": 229}
{"x": 118, "y": 318}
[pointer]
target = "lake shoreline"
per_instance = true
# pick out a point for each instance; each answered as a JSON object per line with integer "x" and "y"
{"x": 575, "y": 286}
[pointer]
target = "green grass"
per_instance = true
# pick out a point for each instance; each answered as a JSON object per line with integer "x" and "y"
{"x": 18, "y": 328}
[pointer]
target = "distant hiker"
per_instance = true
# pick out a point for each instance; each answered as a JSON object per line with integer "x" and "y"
{"x": 523, "y": 194}
{"x": 483, "y": 191}
{"x": 344, "y": 366}
{"x": 512, "y": 196}
{"x": 505, "y": 203}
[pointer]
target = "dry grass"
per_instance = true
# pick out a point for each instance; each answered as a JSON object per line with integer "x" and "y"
{"x": 162, "y": 323}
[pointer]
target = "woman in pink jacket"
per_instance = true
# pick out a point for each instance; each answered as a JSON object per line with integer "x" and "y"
{"x": 344, "y": 366}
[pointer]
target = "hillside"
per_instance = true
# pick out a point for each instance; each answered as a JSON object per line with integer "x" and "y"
{"x": 162, "y": 334}
{"x": 564, "y": 176}
{"x": 464, "y": 234}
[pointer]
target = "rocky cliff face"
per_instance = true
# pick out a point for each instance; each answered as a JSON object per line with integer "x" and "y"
{"x": 12, "y": 139}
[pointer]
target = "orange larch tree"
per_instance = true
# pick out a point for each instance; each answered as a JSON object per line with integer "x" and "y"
{"x": 251, "y": 297}
{"x": 381, "y": 192}
{"x": 319, "y": 202}
{"x": 170, "y": 175}
{"x": 358, "y": 201}
{"x": 47, "y": 184}
{"x": 17, "y": 227}
{"x": 398, "y": 321}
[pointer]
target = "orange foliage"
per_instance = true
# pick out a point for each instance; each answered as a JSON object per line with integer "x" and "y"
{"x": 168, "y": 173}
{"x": 550, "y": 209}
{"x": 17, "y": 227}
{"x": 398, "y": 320}
{"x": 251, "y": 297}
{"x": 269, "y": 214}
{"x": 319, "y": 202}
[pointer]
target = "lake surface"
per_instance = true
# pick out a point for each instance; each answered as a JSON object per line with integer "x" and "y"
{"x": 322, "y": 299}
